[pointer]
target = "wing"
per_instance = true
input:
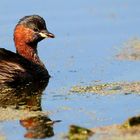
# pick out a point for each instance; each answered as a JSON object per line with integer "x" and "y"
{"x": 11, "y": 67}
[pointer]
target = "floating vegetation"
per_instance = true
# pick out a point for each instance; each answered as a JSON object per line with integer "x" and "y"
{"x": 109, "y": 88}
{"x": 13, "y": 114}
{"x": 130, "y": 51}
{"x": 79, "y": 133}
{"x": 132, "y": 122}
{"x": 129, "y": 130}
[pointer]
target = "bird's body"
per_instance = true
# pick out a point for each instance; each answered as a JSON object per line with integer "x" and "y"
{"x": 15, "y": 69}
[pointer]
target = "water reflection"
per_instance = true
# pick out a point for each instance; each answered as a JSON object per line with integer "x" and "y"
{"x": 23, "y": 96}
{"x": 28, "y": 98}
{"x": 38, "y": 127}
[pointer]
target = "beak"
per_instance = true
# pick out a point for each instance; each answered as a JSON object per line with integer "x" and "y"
{"x": 46, "y": 34}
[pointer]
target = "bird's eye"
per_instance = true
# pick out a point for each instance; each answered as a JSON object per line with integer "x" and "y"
{"x": 36, "y": 29}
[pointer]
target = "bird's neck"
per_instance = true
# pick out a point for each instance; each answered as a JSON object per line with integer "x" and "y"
{"x": 22, "y": 37}
{"x": 29, "y": 51}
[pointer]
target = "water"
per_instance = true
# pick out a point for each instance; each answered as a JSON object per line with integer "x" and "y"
{"x": 88, "y": 36}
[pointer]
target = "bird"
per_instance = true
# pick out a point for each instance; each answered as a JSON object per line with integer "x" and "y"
{"x": 24, "y": 66}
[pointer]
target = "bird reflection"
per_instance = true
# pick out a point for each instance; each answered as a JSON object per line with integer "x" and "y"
{"x": 25, "y": 98}
{"x": 38, "y": 127}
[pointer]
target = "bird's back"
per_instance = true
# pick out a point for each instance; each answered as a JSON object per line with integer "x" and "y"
{"x": 16, "y": 70}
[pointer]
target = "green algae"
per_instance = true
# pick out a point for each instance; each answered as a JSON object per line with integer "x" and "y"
{"x": 79, "y": 133}
{"x": 93, "y": 89}
{"x": 132, "y": 122}
{"x": 109, "y": 88}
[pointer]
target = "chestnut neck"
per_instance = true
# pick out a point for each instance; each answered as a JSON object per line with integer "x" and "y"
{"x": 29, "y": 52}
{"x": 22, "y": 35}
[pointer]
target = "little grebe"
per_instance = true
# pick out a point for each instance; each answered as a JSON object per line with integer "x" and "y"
{"x": 25, "y": 66}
